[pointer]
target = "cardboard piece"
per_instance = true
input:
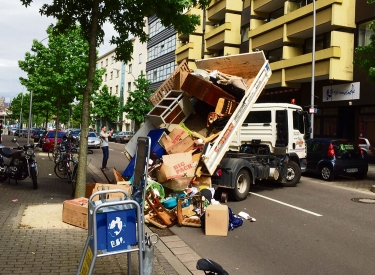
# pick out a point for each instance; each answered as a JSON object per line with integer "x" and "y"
{"x": 178, "y": 141}
{"x": 75, "y": 212}
{"x": 216, "y": 220}
{"x": 181, "y": 165}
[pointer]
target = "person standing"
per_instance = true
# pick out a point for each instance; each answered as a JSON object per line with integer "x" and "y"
{"x": 104, "y": 144}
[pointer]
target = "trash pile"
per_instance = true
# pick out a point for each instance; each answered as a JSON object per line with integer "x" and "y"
{"x": 182, "y": 121}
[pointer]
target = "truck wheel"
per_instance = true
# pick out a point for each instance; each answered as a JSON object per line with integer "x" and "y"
{"x": 242, "y": 187}
{"x": 293, "y": 175}
{"x": 34, "y": 177}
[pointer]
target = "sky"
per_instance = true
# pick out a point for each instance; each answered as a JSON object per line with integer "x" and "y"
{"x": 18, "y": 27}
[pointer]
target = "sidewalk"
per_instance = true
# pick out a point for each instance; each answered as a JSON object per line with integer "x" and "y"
{"x": 58, "y": 250}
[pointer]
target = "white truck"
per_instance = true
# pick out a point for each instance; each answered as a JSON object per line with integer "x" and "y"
{"x": 259, "y": 141}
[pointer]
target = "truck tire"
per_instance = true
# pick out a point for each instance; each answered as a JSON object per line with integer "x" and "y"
{"x": 242, "y": 185}
{"x": 293, "y": 175}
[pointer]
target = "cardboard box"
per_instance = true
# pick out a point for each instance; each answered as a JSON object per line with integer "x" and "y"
{"x": 175, "y": 166}
{"x": 216, "y": 220}
{"x": 75, "y": 212}
{"x": 178, "y": 141}
{"x": 105, "y": 186}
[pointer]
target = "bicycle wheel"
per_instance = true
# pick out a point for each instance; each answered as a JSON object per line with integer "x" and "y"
{"x": 60, "y": 170}
{"x": 74, "y": 178}
{"x": 52, "y": 154}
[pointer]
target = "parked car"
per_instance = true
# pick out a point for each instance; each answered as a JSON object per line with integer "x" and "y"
{"x": 365, "y": 146}
{"x": 93, "y": 140}
{"x": 120, "y": 137}
{"x": 112, "y": 138}
{"x": 12, "y": 131}
{"x": 39, "y": 134}
{"x": 20, "y": 132}
{"x": 49, "y": 139}
{"x": 74, "y": 133}
{"x": 128, "y": 136}
{"x": 332, "y": 157}
{"x": 26, "y": 133}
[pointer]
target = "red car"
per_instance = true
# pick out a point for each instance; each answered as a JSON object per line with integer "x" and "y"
{"x": 49, "y": 140}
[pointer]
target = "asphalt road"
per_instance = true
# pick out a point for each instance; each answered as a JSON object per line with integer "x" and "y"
{"x": 314, "y": 228}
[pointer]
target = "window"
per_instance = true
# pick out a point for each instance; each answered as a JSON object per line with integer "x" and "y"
{"x": 129, "y": 86}
{"x": 298, "y": 122}
{"x": 105, "y": 77}
{"x": 276, "y": 14}
{"x": 155, "y": 76}
{"x": 322, "y": 41}
{"x": 113, "y": 59}
{"x": 140, "y": 58}
{"x": 112, "y": 75}
{"x": 101, "y": 64}
{"x": 162, "y": 48}
{"x": 364, "y": 34}
{"x": 117, "y": 73}
{"x": 130, "y": 68}
{"x": 110, "y": 90}
{"x": 259, "y": 117}
{"x": 116, "y": 89}
{"x": 245, "y": 33}
{"x": 106, "y": 62}
{"x": 275, "y": 55}
{"x": 155, "y": 27}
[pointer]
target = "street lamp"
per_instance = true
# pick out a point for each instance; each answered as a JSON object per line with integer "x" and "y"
{"x": 312, "y": 109}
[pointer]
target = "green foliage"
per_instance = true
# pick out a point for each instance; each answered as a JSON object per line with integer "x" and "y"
{"x": 106, "y": 106}
{"x": 128, "y": 19}
{"x": 20, "y": 101}
{"x": 365, "y": 55}
{"x": 138, "y": 104}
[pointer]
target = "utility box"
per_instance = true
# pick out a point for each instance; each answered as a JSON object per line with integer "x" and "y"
{"x": 216, "y": 220}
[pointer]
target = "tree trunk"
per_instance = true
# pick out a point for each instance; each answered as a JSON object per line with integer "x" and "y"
{"x": 82, "y": 159}
{"x": 57, "y": 123}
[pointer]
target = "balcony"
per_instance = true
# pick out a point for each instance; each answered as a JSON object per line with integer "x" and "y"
{"x": 228, "y": 33}
{"x": 335, "y": 62}
{"x": 218, "y": 8}
{"x": 189, "y": 50}
{"x": 267, "y": 6}
{"x": 198, "y": 29}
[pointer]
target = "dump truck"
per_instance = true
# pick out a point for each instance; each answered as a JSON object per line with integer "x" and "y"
{"x": 255, "y": 141}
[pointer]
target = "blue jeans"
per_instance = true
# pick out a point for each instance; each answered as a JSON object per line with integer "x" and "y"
{"x": 105, "y": 156}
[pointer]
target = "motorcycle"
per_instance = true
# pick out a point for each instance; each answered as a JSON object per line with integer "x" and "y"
{"x": 19, "y": 163}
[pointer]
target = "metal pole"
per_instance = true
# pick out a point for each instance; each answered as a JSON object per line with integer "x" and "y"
{"x": 313, "y": 70}
{"x": 29, "y": 124}
{"x": 19, "y": 125}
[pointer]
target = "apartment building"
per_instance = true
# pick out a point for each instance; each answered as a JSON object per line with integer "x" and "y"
{"x": 161, "y": 61}
{"x": 343, "y": 98}
{"x": 114, "y": 79}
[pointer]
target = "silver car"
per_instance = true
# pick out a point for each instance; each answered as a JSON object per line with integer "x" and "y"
{"x": 93, "y": 140}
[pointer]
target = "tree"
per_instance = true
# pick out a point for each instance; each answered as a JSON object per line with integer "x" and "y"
{"x": 57, "y": 72}
{"x": 138, "y": 103}
{"x": 20, "y": 101}
{"x": 127, "y": 18}
{"x": 106, "y": 105}
{"x": 366, "y": 54}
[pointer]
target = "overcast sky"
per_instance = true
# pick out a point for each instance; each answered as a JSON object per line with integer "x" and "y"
{"x": 18, "y": 27}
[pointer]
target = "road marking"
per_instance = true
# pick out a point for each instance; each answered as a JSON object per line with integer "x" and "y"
{"x": 286, "y": 204}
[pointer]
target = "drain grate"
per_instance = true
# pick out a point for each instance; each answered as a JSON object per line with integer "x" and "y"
{"x": 364, "y": 200}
